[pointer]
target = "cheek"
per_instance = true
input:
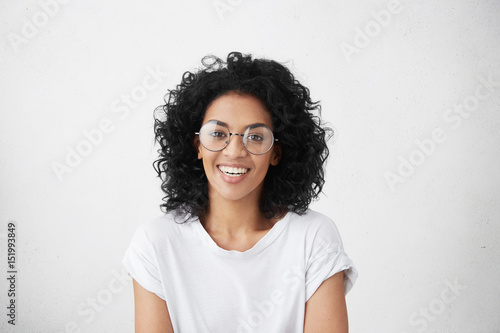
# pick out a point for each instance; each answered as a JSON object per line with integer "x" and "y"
{"x": 207, "y": 159}
{"x": 263, "y": 165}
{"x": 207, "y": 169}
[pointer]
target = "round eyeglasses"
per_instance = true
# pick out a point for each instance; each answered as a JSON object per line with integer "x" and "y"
{"x": 257, "y": 139}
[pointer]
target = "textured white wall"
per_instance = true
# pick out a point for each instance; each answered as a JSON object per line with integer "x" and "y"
{"x": 402, "y": 82}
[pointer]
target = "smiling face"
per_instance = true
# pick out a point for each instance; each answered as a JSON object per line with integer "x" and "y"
{"x": 233, "y": 173}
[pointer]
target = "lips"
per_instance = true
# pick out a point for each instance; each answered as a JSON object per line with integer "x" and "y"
{"x": 232, "y": 171}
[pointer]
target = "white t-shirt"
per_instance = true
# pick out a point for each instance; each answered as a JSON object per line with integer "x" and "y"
{"x": 263, "y": 289}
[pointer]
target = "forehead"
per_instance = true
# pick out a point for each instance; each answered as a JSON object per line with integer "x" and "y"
{"x": 238, "y": 111}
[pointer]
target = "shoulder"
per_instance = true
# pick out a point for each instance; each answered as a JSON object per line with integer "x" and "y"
{"x": 313, "y": 221}
{"x": 157, "y": 230}
{"x": 317, "y": 228}
{"x": 311, "y": 217}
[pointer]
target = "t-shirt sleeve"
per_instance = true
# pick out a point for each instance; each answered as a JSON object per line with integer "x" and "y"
{"x": 141, "y": 263}
{"x": 327, "y": 258}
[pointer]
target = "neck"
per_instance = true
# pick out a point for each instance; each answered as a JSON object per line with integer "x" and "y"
{"x": 235, "y": 218}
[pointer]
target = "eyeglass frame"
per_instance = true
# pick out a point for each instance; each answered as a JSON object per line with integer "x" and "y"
{"x": 242, "y": 136}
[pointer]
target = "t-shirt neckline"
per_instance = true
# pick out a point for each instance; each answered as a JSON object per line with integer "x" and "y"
{"x": 261, "y": 244}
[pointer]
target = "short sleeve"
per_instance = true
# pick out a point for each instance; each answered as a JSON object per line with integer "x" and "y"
{"x": 141, "y": 264}
{"x": 327, "y": 258}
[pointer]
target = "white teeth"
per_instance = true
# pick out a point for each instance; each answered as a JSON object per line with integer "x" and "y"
{"x": 232, "y": 172}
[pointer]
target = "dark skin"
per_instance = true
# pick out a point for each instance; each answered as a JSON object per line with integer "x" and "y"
{"x": 234, "y": 220}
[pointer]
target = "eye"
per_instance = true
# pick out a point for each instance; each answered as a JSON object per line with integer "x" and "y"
{"x": 218, "y": 134}
{"x": 255, "y": 137}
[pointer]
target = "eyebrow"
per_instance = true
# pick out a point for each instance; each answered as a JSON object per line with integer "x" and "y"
{"x": 254, "y": 125}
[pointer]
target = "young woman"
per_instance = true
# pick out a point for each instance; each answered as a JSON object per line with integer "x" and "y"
{"x": 242, "y": 156}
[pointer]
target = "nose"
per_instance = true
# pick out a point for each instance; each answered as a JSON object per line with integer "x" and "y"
{"x": 235, "y": 146}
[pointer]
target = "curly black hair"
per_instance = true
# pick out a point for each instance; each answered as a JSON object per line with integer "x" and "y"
{"x": 292, "y": 184}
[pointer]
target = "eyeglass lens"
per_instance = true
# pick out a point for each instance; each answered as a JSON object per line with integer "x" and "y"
{"x": 257, "y": 139}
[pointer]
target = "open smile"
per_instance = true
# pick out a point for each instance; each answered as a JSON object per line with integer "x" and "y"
{"x": 232, "y": 172}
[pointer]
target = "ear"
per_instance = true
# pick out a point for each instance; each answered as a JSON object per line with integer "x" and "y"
{"x": 196, "y": 142}
{"x": 275, "y": 159}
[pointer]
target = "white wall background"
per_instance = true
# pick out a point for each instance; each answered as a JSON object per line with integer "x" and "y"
{"x": 427, "y": 249}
